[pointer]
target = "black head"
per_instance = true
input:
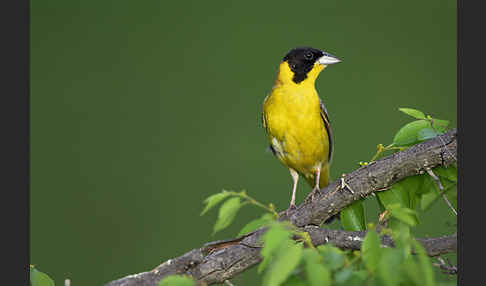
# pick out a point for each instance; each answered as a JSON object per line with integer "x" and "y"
{"x": 301, "y": 61}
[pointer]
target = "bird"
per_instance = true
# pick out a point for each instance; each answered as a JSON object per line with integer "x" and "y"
{"x": 296, "y": 120}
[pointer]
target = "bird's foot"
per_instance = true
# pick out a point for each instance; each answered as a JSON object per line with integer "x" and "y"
{"x": 291, "y": 208}
{"x": 312, "y": 195}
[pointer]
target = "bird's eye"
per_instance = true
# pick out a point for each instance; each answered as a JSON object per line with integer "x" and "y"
{"x": 308, "y": 56}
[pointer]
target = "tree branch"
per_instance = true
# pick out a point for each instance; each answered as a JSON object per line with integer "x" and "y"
{"x": 218, "y": 261}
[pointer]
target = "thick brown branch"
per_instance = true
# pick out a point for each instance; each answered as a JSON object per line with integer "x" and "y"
{"x": 219, "y": 261}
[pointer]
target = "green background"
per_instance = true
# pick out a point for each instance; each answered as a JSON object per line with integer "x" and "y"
{"x": 141, "y": 110}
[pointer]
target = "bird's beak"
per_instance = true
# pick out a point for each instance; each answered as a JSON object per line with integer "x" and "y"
{"x": 328, "y": 59}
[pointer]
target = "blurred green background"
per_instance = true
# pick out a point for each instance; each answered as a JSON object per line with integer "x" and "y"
{"x": 139, "y": 111}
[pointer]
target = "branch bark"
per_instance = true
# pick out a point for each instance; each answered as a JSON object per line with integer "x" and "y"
{"x": 218, "y": 261}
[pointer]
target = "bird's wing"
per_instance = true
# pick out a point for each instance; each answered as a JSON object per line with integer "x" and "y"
{"x": 327, "y": 124}
{"x": 263, "y": 122}
{"x": 263, "y": 114}
{"x": 264, "y": 125}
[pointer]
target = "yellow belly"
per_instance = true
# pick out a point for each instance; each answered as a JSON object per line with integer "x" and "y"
{"x": 296, "y": 130}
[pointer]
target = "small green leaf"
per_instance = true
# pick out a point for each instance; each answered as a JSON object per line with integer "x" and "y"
{"x": 403, "y": 214}
{"x": 413, "y": 112}
{"x": 401, "y": 237}
{"x": 294, "y": 280}
{"x": 440, "y": 125}
{"x": 285, "y": 262}
{"x": 427, "y": 200}
{"x": 449, "y": 173}
{"x": 213, "y": 200}
{"x": 38, "y": 278}
{"x": 395, "y": 195}
{"x": 358, "y": 278}
{"x": 448, "y": 178}
{"x": 408, "y": 134}
{"x": 413, "y": 271}
{"x": 311, "y": 256}
{"x": 317, "y": 274}
{"x": 371, "y": 250}
{"x": 227, "y": 213}
{"x": 399, "y": 192}
{"x": 389, "y": 263}
{"x": 255, "y": 224}
{"x": 426, "y": 133}
{"x": 425, "y": 264}
{"x": 343, "y": 275}
{"x": 352, "y": 217}
{"x": 332, "y": 256}
{"x": 177, "y": 280}
{"x": 407, "y": 192}
{"x": 451, "y": 195}
{"x": 272, "y": 239}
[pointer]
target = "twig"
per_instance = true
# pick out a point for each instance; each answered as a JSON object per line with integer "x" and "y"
{"x": 227, "y": 282}
{"x": 67, "y": 282}
{"x": 447, "y": 268}
{"x": 441, "y": 188}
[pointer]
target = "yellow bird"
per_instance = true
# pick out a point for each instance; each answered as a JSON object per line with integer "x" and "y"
{"x": 296, "y": 120}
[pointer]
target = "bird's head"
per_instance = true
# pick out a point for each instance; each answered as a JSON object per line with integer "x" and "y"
{"x": 303, "y": 65}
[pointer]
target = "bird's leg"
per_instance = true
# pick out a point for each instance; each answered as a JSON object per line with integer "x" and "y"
{"x": 315, "y": 190}
{"x": 295, "y": 179}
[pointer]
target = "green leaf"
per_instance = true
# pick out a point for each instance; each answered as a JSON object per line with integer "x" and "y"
{"x": 352, "y": 217}
{"x": 311, "y": 256}
{"x": 426, "y": 133}
{"x": 272, "y": 240}
{"x": 405, "y": 193}
{"x": 387, "y": 268}
{"x": 257, "y": 223}
{"x": 343, "y": 275}
{"x": 407, "y": 135}
{"x": 370, "y": 250}
{"x": 227, "y": 213}
{"x": 38, "y": 278}
{"x": 412, "y": 271}
{"x": 177, "y": 280}
{"x": 403, "y": 214}
{"x": 448, "y": 178}
{"x": 317, "y": 274}
{"x": 451, "y": 195}
{"x": 425, "y": 264}
{"x": 440, "y": 125}
{"x": 413, "y": 112}
{"x": 332, "y": 256}
{"x": 294, "y": 280}
{"x": 449, "y": 173}
{"x": 401, "y": 237}
{"x": 358, "y": 278}
{"x": 428, "y": 199}
{"x": 285, "y": 262}
{"x": 213, "y": 200}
